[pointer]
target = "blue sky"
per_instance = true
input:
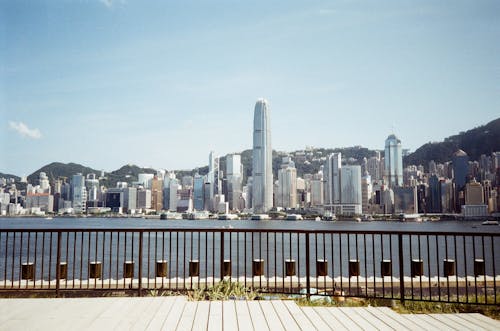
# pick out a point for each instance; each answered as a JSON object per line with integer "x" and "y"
{"x": 161, "y": 83}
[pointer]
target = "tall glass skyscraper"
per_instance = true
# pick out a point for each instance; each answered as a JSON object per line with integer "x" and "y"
{"x": 393, "y": 161}
{"x": 262, "y": 170}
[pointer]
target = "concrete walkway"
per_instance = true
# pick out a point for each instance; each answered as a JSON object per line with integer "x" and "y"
{"x": 176, "y": 313}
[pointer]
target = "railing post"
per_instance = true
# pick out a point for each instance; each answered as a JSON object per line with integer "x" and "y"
{"x": 58, "y": 262}
{"x": 308, "y": 268}
{"x": 401, "y": 268}
{"x": 140, "y": 262}
{"x": 222, "y": 255}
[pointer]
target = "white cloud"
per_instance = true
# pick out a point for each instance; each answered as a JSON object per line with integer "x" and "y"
{"x": 25, "y": 131}
{"x": 110, "y": 3}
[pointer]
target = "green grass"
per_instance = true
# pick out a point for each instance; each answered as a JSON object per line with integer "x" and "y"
{"x": 223, "y": 290}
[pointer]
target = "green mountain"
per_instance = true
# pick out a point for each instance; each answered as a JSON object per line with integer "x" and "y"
{"x": 8, "y": 176}
{"x": 55, "y": 170}
{"x": 484, "y": 139}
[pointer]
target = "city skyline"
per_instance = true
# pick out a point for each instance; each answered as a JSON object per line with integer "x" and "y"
{"x": 119, "y": 82}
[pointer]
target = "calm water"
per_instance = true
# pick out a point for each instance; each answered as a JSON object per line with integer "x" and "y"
{"x": 163, "y": 242}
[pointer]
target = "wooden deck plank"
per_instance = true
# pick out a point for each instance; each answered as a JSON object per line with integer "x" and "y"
{"x": 108, "y": 314}
{"x": 143, "y": 320}
{"x": 174, "y": 315}
{"x": 344, "y": 319}
{"x": 315, "y": 319}
{"x": 257, "y": 315}
{"x": 476, "y": 319}
{"x": 432, "y": 323}
{"x": 284, "y": 315}
{"x": 466, "y": 324}
{"x": 161, "y": 314}
{"x": 398, "y": 320}
{"x": 243, "y": 316}
{"x": 215, "y": 316}
{"x": 299, "y": 315}
{"x": 272, "y": 319}
{"x": 350, "y": 313}
{"x": 187, "y": 317}
{"x": 229, "y": 320}
{"x": 422, "y": 323}
{"x": 130, "y": 314}
{"x": 445, "y": 318}
{"x": 374, "y": 320}
{"x": 324, "y": 313}
{"x": 200, "y": 322}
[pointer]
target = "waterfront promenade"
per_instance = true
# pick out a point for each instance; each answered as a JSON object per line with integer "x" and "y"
{"x": 177, "y": 313}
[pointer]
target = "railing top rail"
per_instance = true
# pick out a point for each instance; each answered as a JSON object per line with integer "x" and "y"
{"x": 248, "y": 230}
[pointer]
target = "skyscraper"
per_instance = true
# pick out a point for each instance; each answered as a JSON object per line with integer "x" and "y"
{"x": 262, "y": 170}
{"x": 332, "y": 178}
{"x": 234, "y": 170}
{"x": 393, "y": 162}
{"x": 287, "y": 184}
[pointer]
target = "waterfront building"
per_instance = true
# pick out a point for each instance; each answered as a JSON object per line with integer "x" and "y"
{"x": 185, "y": 202}
{"x": 393, "y": 162}
{"x": 143, "y": 198}
{"x": 460, "y": 163}
{"x": 114, "y": 199}
{"x": 78, "y": 193}
{"x": 331, "y": 177}
{"x": 234, "y": 180}
{"x": 350, "y": 190}
{"x": 287, "y": 184}
{"x": 474, "y": 193}
{"x": 434, "y": 204}
{"x": 157, "y": 193}
{"x": 262, "y": 171}
{"x": 198, "y": 192}
{"x": 366, "y": 192}
{"x": 173, "y": 194}
{"x": 316, "y": 192}
{"x": 405, "y": 200}
{"x": 92, "y": 187}
{"x": 129, "y": 200}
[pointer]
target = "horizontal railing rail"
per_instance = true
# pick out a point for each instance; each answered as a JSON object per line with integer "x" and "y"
{"x": 453, "y": 267}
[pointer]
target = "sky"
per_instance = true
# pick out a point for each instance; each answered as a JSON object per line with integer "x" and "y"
{"x": 162, "y": 83}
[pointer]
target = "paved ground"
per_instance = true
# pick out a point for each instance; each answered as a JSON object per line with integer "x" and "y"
{"x": 176, "y": 313}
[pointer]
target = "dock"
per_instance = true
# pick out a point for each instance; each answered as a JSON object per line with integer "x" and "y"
{"x": 177, "y": 313}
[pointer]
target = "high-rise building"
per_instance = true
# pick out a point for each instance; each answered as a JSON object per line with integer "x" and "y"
{"x": 234, "y": 174}
{"x": 286, "y": 196}
{"x": 198, "y": 192}
{"x": 331, "y": 175}
{"x": 262, "y": 170}
{"x": 350, "y": 190}
{"x": 78, "y": 193}
{"x": 366, "y": 191}
{"x": 393, "y": 162}
{"x": 474, "y": 193}
{"x": 157, "y": 193}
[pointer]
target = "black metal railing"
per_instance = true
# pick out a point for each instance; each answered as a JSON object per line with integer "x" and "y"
{"x": 437, "y": 266}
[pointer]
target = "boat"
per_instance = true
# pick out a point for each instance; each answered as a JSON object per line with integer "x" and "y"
{"x": 259, "y": 217}
{"x": 50, "y": 218}
{"x": 329, "y": 216}
{"x": 294, "y": 217}
{"x": 228, "y": 217}
{"x": 367, "y": 218}
{"x": 490, "y": 222}
{"x": 410, "y": 217}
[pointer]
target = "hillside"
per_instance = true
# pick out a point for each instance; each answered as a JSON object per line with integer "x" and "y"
{"x": 9, "y": 176}
{"x": 484, "y": 139}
